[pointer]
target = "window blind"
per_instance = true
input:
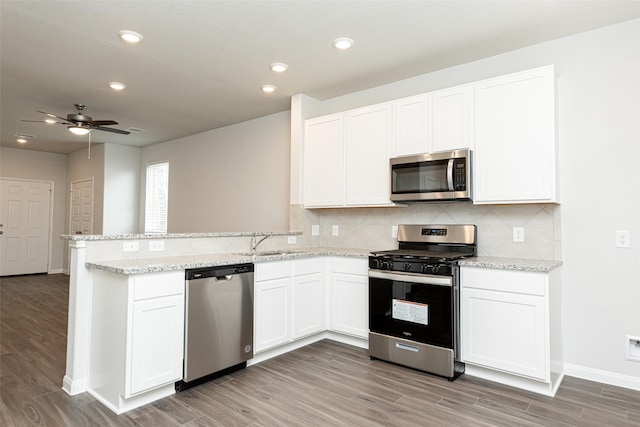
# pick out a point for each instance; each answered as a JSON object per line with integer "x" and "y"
{"x": 157, "y": 198}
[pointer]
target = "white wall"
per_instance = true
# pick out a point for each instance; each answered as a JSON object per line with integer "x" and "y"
{"x": 121, "y": 189}
{"x": 28, "y": 164}
{"x": 598, "y": 133}
{"x": 234, "y": 178}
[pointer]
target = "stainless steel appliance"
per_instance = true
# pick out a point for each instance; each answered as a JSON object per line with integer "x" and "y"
{"x": 440, "y": 176}
{"x": 414, "y": 299}
{"x": 218, "y": 322}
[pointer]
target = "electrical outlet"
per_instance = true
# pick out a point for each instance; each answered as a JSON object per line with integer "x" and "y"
{"x": 291, "y": 240}
{"x": 315, "y": 230}
{"x": 130, "y": 246}
{"x": 623, "y": 239}
{"x": 633, "y": 348}
{"x": 518, "y": 234}
{"x": 334, "y": 230}
{"x": 156, "y": 245}
{"x": 394, "y": 231}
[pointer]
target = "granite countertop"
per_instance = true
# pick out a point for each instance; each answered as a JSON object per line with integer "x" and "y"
{"x": 177, "y": 235}
{"x": 519, "y": 264}
{"x": 182, "y": 262}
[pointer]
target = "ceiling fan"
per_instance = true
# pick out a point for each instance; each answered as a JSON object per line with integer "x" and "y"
{"x": 80, "y": 124}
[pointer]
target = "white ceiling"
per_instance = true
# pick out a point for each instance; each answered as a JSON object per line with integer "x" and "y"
{"x": 202, "y": 63}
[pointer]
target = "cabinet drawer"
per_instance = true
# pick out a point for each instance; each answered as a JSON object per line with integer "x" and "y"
{"x": 155, "y": 285}
{"x": 522, "y": 282}
{"x": 308, "y": 266}
{"x": 350, "y": 266}
{"x": 272, "y": 270}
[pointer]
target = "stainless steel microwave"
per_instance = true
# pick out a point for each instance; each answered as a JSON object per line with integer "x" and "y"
{"x": 440, "y": 176}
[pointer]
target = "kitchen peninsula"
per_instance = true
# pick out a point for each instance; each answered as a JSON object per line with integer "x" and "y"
{"x": 113, "y": 285}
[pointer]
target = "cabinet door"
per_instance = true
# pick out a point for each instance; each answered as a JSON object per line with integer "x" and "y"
{"x": 412, "y": 125}
{"x": 505, "y": 331}
{"x": 157, "y": 343}
{"x": 307, "y": 305}
{"x": 271, "y": 321}
{"x": 368, "y": 148}
{"x": 514, "y": 138}
{"x": 452, "y": 118}
{"x": 350, "y": 304}
{"x": 323, "y": 176}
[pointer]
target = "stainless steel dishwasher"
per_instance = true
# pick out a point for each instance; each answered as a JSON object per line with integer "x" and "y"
{"x": 218, "y": 322}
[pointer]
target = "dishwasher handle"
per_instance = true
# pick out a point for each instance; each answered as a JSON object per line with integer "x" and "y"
{"x": 224, "y": 278}
{"x": 220, "y": 271}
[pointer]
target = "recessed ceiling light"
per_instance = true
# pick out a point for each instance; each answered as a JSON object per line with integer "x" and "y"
{"x": 279, "y": 67}
{"x": 268, "y": 88}
{"x": 343, "y": 43}
{"x": 22, "y": 140}
{"x": 117, "y": 86}
{"x": 130, "y": 36}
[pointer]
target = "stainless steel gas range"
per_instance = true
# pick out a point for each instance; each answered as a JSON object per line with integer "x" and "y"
{"x": 414, "y": 298}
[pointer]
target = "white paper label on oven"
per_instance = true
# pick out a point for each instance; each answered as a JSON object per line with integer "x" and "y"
{"x": 410, "y": 311}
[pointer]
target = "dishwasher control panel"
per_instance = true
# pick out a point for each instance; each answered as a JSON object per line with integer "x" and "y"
{"x": 218, "y": 271}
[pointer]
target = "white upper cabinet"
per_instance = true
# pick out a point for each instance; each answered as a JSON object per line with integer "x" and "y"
{"x": 434, "y": 121}
{"x": 507, "y": 121}
{"x": 514, "y": 138}
{"x": 368, "y": 148}
{"x": 324, "y": 161}
{"x": 412, "y": 125}
{"x": 346, "y": 158}
{"x": 452, "y": 118}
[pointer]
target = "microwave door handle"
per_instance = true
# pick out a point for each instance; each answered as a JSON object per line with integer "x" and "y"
{"x": 450, "y": 174}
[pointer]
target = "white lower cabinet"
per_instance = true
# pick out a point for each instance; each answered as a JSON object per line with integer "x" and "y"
{"x": 137, "y": 337}
{"x": 289, "y": 301}
{"x": 510, "y": 325}
{"x": 350, "y": 296}
{"x": 156, "y": 342}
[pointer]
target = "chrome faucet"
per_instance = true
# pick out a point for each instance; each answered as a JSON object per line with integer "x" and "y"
{"x": 255, "y": 244}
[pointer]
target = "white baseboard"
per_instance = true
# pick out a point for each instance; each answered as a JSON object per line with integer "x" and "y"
{"x": 56, "y": 271}
{"x": 74, "y": 387}
{"x": 605, "y": 377}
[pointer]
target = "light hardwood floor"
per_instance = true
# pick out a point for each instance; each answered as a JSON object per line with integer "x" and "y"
{"x": 324, "y": 384}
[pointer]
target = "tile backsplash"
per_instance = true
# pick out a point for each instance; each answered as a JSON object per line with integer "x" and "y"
{"x": 371, "y": 228}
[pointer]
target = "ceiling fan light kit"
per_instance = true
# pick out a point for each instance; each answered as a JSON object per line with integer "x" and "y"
{"x": 78, "y": 130}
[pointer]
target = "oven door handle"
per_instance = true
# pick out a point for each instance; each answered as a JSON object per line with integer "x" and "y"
{"x": 425, "y": 279}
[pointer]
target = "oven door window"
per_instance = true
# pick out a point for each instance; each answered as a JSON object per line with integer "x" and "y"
{"x": 413, "y": 311}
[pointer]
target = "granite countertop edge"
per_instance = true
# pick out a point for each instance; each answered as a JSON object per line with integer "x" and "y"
{"x": 133, "y": 236}
{"x": 518, "y": 264}
{"x": 183, "y": 262}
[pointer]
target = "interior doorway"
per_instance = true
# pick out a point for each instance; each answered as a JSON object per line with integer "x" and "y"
{"x": 25, "y": 219}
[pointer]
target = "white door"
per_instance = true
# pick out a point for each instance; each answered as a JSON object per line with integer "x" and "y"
{"x": 25, "y": 209}
{"x": 81, "y": 207}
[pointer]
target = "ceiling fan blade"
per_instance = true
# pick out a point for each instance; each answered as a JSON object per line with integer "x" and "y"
{"x": 49, "y": 123}
{"x": 64, "y": 119}
{"x": 103, "y": 122}
{"x": 122, "y": 132}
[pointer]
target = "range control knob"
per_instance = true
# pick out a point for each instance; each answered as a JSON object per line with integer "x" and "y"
{"x": 435, "y": 268}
